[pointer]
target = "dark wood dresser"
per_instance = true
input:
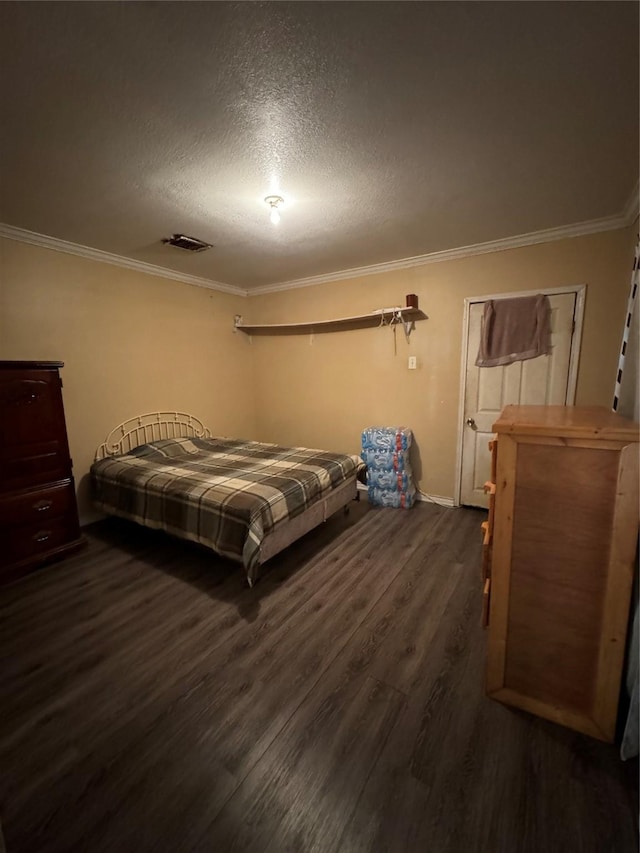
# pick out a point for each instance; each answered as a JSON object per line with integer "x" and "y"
{"x": 38, "y": 512}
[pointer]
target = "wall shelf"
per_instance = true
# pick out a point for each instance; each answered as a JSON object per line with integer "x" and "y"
{"x": 384, "y": 317}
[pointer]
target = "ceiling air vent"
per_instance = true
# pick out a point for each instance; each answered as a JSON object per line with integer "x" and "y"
{"x": 191, "y": 244}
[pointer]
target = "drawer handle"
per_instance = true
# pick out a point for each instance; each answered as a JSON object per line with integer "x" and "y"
{"x": 40, "y": 506}
{"x": 486, "y": 596}
{"x": 27, "y": 398}
{"x": 41, "y": 536}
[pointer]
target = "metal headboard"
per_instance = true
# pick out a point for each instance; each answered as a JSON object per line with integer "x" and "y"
{"x": 153, "y": 426}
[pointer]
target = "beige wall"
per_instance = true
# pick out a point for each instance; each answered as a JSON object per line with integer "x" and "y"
{"x": 323, "y": 393}
{"x": 131, "y": 343}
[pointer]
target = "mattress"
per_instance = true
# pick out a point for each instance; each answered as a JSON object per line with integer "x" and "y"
{"x": 226, "y": 494}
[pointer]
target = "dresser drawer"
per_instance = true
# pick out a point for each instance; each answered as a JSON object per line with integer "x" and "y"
{"x": 38, "y": 514}
{"x": 33, "y": 466}
{"x": 31, "y": 409}
{"x": 37, "y": 506}
{"x": 33, "y": 440}
{"x": 31, "y": 541}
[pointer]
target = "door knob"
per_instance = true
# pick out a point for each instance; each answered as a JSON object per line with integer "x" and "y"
{"x": 470, "y": 422}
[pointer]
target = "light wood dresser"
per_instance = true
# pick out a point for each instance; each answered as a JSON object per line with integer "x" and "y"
{"x": 38, "y": 514}
{"x": 559, "y": 556}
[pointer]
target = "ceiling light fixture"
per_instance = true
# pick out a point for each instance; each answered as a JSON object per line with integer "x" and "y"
{"x": 274, "y": 201}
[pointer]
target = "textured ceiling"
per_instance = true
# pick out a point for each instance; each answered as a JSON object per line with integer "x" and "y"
{"x": 392, "y": 129}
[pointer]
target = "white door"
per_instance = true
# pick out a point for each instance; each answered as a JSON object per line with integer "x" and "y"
{"x": 536, "y": 382}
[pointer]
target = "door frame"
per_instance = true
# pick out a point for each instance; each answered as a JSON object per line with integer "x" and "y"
{"x": 580, "y": 291}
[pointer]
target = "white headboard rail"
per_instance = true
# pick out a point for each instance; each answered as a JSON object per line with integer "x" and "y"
{"x": 152, "y": 426}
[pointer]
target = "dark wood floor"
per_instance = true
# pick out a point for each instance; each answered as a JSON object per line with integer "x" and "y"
{"x": 152, "y": 702}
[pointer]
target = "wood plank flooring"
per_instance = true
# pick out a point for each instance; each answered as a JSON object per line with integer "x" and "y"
{"x": 151, "y": 701}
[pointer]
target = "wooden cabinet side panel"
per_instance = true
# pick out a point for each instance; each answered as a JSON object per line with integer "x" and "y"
{"x": 620, "y": 569}
{"x": 501, "y": 562}
{"x": 563, "y": 518}
{"x": 565, "y": 539}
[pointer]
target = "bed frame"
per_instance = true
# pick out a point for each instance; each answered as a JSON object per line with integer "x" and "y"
{"x": 155, "y": 426}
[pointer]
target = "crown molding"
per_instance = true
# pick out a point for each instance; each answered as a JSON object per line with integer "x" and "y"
{"x": 564, "y": 232}
{"x": 579, "y": 229}
{"x": 34, "y": 239}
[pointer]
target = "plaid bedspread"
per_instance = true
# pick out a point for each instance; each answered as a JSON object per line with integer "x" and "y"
{"x": 226, "y": 494}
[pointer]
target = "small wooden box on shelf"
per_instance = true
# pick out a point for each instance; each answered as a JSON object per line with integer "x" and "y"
{"x": 563, "y": 537}
{"x": 38, "y": 513}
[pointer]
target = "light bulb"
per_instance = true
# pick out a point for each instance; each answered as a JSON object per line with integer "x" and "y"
{"x": 274, "y": 201}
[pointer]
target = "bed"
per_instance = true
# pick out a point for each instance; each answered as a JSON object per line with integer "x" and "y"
{"x": 245, "y": 500}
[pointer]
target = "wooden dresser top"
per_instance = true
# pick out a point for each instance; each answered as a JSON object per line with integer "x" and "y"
{"x": 31, "y": 365}
{"x": 569, "y": 421}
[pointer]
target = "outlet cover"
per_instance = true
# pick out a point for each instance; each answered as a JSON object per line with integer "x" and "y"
{"x": 412, "y": 362}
